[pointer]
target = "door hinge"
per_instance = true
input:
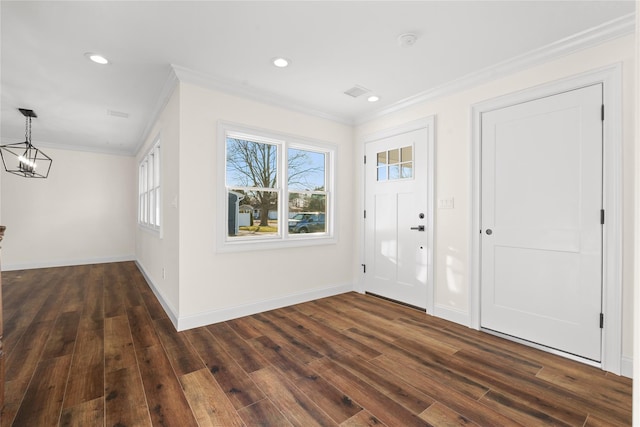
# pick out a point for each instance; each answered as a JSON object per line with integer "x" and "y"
{"x": 601, "y": 216}
{"x": 364, "y": 268}
{"x": 365, "y": 214}
{"x": 602, "y": 113}
{"x": 601, "y": 320}
{"x": 365, "y": 160}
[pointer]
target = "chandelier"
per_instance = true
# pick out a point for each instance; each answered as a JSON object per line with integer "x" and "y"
{"x": 22, "y": 158}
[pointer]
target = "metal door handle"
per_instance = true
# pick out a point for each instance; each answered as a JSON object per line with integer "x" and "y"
{"x": 419, "y": 228}
{"x": 489, "y": 232}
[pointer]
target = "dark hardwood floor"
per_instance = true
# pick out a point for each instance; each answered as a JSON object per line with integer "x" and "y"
{"x": 91, "y": 346}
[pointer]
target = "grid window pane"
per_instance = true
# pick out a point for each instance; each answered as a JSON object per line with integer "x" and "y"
{"x": 407, "y": 154}
{"x": 305, "y": 170}
{"x": 252, "y": 213}
{"x": 251, "y": 164}
{"x": 394, "y": 156}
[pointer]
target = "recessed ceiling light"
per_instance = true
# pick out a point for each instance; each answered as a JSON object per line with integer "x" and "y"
{"x": 373, "y": 98}
{"x": 280, "y": 62}
{"x": 98, "y": 59}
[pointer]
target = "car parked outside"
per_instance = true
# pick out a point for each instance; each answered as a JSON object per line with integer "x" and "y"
{"x": 307, "y": 222}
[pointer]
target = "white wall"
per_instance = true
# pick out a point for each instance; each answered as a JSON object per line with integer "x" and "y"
{"x": 80, "y": 214}
{"x": 214, "y": 286}
{"x": 453, "y": 141}
{"x": 155, "y": 251}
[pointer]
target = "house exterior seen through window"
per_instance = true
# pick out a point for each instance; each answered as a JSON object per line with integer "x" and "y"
{"x": 277, "y": 188}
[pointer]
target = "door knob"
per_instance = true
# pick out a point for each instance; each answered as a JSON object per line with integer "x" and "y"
{"x": 419, "y": 228}
{"x": 489, "y": 232}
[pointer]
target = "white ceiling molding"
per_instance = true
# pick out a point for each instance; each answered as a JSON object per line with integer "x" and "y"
{"x": 592, "y": 37}
{"x": 212, "y": 82}
{"x": 170, "y": 83}
{"x": 115, "y": 151}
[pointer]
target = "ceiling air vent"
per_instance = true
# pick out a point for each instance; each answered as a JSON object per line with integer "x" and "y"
{"x": 356, "y": 91}
{"x": 117, "y": 114}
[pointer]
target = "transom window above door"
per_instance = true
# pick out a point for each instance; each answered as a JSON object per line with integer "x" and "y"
{"x": 395, "y": 164}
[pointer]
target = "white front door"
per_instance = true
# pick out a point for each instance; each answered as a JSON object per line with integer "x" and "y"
{"x": 541, "y": 201}
{"x": 398, "y": 217}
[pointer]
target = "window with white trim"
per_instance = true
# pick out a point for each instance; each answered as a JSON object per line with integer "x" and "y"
{"x": 276, "y": 189}
{"x": 149, "y": 188}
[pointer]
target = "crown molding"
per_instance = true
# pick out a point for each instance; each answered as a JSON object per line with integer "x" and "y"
{"x": 71, "y": 147}
{"x": 209, "y": 81}
{"x": 170, "y": 83}
{"x": 619, "y": 27}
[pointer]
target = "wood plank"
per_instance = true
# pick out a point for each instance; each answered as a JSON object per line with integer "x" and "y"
{"x": 338, "y": 406}
{"x": 113, "y": 295}
{"x": 362, "y": 419}
{"x": 439, "y": 415}
{"x": 235, "y": 382}
{"x": 380, "y": 405}
{"x": 182, "y": 356}
{"x": 125, "y": 402}
{"x": 283, "y": 338}
{"x": 555, "y": 401}
{"x": 208, "y": 401}
{"x": 295, "y": 405}
{"x": 263, "y": 413}
{"x": 43, "y": 400}
{"x": 86, "y": 384}
{"x": 401, "y": 392}
{"x": 244, "y": 328}
{"x": 167, "y": 403}
{"x": 526, "y": 414}
{"x": 331, "y": 335}
{"x": 74, "y": 298}
{"x": 89, "y": 413}
{"x": 62, "y": 337}
{"x": 241, "y": 351}
{"x": 118, "y": 345}
{"x": 435, "y": 367}
{"x": 93, "y": 307}
{"x": 14, "y": 394}
{"x": 143, "y": 333}
{"x": 441, "y": 391}
{"x": 22, "y": 362}
{"x": 602, "y": 389}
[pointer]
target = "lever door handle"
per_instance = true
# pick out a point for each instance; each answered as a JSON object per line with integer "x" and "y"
{"x": 419, "y": 228}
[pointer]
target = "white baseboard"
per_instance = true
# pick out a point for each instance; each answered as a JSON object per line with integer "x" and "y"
{"x": 451, "y": 314}
{"x": 66, "y": 263}
{"x": 166, "y": 305}
{"x": 626, "y": 366}
{"x": 221, "y": 315}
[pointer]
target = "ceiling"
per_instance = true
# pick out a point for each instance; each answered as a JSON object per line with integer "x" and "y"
{"x": 332, "y": 46}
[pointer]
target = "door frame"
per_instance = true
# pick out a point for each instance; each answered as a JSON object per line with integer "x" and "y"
{"x": 611, "y": 79}
{"x": 427, "y": 123}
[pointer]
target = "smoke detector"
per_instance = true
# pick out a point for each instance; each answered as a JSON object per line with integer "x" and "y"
{"x": 407, "y": 39}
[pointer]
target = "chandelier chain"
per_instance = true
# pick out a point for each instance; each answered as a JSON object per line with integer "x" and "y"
{"x": 27, "y": 130}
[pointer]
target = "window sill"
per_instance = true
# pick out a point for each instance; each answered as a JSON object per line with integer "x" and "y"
{"x": 270, "y": 244}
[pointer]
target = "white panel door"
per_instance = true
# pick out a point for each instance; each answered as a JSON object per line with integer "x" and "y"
{"x": 397, "y": 217}
{"x": 541, "y": 202}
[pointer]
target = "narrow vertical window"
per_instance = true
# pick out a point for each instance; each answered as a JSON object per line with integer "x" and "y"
{"x": 149, "y": 188}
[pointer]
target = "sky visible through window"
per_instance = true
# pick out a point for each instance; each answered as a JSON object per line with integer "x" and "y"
{"x": 254, "y": 164}
{"x": 311, "y": 170}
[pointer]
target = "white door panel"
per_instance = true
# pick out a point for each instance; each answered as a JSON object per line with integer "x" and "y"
{"x": 541, "y": 201}
{"x": 397, "y": 191}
